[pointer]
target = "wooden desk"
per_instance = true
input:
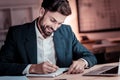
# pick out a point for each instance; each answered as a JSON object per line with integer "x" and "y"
{"x": 79, "y": 76}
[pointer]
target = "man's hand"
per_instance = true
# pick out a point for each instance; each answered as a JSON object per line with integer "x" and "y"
{"x": 43, "y": 68}
{"x": 77, "y": 67}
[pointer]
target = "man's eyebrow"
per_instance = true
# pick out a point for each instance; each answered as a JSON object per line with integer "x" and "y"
{"x": 56, "y": 20}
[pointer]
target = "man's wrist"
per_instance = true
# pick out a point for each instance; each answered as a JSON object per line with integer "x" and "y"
{"x": 32, "y": 68}
{"x": 26, "y": 70}
{"x": 86, "y": 63}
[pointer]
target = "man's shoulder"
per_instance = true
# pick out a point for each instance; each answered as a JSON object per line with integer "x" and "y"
{"x": 21, "y": 30}
{"x": 65, "y": 28}
{"x": 22, "y": 27}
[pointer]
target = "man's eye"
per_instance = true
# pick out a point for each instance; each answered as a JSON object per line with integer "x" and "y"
{"x": 52, "y": 20}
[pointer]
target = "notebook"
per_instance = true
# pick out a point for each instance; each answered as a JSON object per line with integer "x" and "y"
{"x": 105, "y": 71}
{"x": 54, "y": 74}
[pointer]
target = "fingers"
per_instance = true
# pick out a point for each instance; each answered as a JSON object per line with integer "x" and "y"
{"x": 52, "y": 65}
{"x": 43, "y": 68}
{"x": 49, "y": 68}
{"x": 75, "y": 68}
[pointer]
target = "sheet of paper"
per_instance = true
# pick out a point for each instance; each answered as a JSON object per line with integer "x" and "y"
{"x": 13, "y": 78}
{"x": 58, "y": 72}
{"x": 119, "y": 66}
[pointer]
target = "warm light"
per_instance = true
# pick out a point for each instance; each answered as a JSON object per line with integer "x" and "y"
{"x": 67, "y": 20}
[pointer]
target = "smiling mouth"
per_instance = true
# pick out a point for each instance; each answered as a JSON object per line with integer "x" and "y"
{"x": 50, "y": 29}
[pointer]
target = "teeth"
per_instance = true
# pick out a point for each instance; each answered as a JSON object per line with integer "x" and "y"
{"x": 49, "y": 30}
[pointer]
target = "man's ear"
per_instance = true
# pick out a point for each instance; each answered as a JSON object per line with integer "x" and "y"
{"x": 41, "y": 12}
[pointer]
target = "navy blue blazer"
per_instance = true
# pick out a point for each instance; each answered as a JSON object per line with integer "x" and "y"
{"x": 20, "y": 49}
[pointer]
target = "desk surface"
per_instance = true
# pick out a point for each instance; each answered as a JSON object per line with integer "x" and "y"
{"x": 79, "y": 76}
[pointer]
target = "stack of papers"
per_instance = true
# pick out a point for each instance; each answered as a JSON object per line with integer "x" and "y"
{"x": 58, "y": 72}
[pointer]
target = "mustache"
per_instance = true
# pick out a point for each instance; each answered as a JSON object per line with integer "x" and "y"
{"x": 50, "y": 28}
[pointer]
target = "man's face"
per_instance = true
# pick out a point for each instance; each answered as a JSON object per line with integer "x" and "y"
{"x": 50, "y": 22}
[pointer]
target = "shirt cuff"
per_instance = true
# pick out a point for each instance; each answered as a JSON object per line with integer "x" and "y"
{"x": 26, "y": 70}
{"x": 86, "y": 63}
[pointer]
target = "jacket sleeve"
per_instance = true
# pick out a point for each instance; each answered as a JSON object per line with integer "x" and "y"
{"x": 9, "y": 65}
{"x": 79, "y": 51}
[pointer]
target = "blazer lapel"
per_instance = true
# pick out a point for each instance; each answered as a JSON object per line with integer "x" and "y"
{"x": 59, "y": 44}
{"x": 31, "y": 43}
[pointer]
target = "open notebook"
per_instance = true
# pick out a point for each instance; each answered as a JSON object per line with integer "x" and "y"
{"x": 58, "y": 72}
{"x": 105, "y": 71}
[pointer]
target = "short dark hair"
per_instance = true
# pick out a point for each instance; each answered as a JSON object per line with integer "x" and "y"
{"x": 61, "y": 6}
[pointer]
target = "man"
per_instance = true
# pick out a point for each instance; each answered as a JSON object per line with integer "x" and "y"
{"x": 29, "y": 48}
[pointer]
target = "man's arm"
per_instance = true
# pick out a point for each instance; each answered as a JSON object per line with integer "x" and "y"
{"x": 82, "y": 56}
{"x": 7, "y": 55}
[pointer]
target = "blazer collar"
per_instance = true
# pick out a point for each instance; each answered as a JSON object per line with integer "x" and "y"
{"x": 31, "y": 43}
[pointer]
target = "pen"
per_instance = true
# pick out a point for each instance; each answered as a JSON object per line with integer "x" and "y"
{"x": 49, "y": 61}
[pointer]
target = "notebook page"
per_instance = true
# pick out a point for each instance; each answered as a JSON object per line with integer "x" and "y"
{"x": 58, "y": 72}
{"x": 119, "y": 66}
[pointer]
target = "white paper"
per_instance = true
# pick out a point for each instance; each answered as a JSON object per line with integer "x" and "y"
{"x": 119, "y": 67}
{"x": 58, "y": 72}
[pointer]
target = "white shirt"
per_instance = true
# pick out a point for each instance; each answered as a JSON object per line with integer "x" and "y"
{"x": 45, "y": 49}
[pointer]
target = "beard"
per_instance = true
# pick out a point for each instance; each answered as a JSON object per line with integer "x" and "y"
{"x": 47, "y": 30}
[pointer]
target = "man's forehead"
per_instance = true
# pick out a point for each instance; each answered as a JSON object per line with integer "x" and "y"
{"x": 57, "y": 16}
